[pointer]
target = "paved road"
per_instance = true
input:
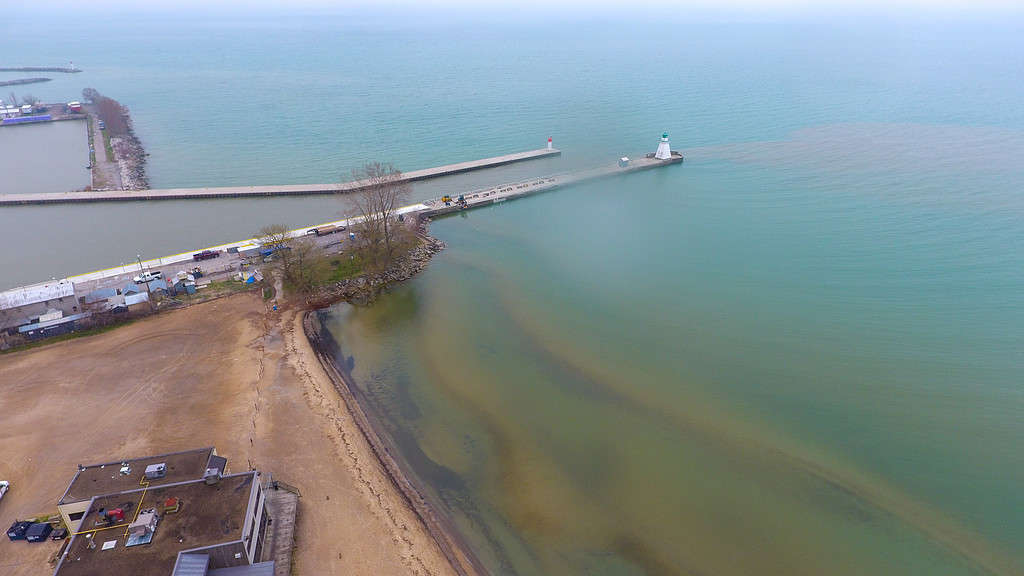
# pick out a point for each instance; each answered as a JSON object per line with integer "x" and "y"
{"x": 105, "y": 174}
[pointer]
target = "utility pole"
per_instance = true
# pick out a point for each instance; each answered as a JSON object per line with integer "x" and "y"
{"x": 142, "y": 274}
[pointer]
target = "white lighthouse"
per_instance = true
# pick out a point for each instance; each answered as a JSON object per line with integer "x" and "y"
{"x": 664, "y": 151}
{"x": 550, "y": 147}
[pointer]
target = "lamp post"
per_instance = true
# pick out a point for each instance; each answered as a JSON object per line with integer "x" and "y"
{"x": 142, "y": 276}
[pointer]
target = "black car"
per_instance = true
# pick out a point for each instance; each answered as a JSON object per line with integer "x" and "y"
{"x": 17, "y": 530}
{"x": 38, "y": 532}
{"x": 59, "y": 534}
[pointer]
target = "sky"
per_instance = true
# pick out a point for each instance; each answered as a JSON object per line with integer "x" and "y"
{"x": 487, "y": 5}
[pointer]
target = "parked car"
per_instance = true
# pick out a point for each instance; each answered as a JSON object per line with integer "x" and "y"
{"x": 17, "y": 530}
{"x": 59, "y": 534}
{"x": 148, "y": 276}
{"x": 205, "y": 255}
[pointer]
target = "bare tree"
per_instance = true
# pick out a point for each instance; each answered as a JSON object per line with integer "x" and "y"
{"x": 90, "y": 94}
{"x": 294, "y": 257}
{"x": 381, "y": 196}
{"x": 274, "y": 235}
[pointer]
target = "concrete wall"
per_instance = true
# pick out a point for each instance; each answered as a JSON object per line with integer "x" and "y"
{"x": 66, "y": 510}
{"x": 251, "y": 533}
{"x": 224, "y": 555}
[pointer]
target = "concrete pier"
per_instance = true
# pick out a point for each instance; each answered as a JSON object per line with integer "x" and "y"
{"x": 256, "y": 191}
{"x": 505, "y": 192}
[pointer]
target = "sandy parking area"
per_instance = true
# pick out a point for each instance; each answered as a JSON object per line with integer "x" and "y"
{"x": 225, "y": 373}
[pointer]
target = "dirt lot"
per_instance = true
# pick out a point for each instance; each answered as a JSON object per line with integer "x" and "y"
{"x": 226, "y": 373}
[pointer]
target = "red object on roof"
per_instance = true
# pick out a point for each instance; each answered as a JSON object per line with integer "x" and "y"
{"x": 170, "y": 502}
{"x": 116, "y": 514}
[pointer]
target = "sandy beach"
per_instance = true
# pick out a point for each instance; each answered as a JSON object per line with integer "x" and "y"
{"x": 226, "y": 373}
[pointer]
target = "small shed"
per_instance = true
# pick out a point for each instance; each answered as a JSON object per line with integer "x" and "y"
{"x": 158, "y": 285}
{"x": 184, "y": 286}
{"x": 623, "y": 162}
{"x": 137, "y": 301}
{"x": 99, "y": 295}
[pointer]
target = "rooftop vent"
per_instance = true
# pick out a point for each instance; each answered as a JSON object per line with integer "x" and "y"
{"x": 211, "y": 476}
{"x": 154, "y": 471}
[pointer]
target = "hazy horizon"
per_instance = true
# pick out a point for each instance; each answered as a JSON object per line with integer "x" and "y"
{"x": 463, "y": 9}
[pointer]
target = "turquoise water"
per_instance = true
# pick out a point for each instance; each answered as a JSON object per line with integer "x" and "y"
{"x": 797, "y": 353}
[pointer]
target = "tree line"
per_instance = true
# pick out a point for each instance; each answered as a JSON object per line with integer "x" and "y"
{"x": 110, "y": 111}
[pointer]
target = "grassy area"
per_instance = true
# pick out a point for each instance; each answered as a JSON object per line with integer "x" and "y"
{"x": 334, "y": 269}
{"x": 326, "y": 270}
{"x": 106, "y": 146}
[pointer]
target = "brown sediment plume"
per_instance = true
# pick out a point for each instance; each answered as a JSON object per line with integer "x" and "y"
{"x": 758, "y": 440}
{"x": 457, "y": 552}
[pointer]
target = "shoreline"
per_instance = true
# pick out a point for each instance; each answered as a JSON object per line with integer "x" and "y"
{"x": 453, "y": 546}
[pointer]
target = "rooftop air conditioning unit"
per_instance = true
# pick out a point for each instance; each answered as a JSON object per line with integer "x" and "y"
{"x": 154, "y": 471}
{"x": 211, "y": 476}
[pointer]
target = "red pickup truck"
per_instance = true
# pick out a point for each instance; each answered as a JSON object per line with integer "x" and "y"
{"x": 205, "y": 255}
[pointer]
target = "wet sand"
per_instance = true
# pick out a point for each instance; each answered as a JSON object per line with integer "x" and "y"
{"x": 226, "y": 373}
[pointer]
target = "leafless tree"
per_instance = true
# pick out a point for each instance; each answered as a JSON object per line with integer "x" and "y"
{"x": 90, "y": 94}
{"x": 274, "y": 235}
{"x": 381, "y": 196}
{"x": 294, "y": 257}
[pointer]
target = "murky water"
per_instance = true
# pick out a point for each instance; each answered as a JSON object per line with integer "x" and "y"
{"x": 784, "y": 369}
{"x": 47, "y": 157}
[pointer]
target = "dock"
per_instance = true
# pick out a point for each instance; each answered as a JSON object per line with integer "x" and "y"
{"x": 263, "y": 191}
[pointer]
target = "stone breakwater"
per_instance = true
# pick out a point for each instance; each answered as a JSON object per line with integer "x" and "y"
{"x": 64, "y": 69}
{"x": 365, "y": 288}
{"x": 131, "y": 158}
{"x": 19, "y": 81}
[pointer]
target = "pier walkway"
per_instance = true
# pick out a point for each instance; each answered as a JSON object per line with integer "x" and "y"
{"x": 256, "y": 191}
{"x": 505, "y": 192}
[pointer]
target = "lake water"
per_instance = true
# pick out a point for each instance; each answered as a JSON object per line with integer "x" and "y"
{"x": 800, "y": 352}
{"x": 44, "y": 157}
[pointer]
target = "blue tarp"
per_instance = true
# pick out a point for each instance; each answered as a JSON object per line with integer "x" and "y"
{"x": 27, "y": 119}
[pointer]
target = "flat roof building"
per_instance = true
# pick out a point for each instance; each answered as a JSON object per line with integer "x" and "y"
{"x": 122, "y": 475}
{"x": 26, "y": 304}
{"x": 170, "y": 515}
